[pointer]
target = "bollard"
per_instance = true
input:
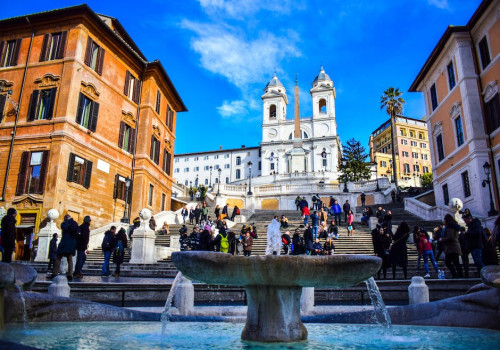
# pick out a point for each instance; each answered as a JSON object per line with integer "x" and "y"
{"x": 184, "y": 296}
{"x": 418, "y": 292}
{"x": 59, "y": 287}
{"x": 307, "y": 300}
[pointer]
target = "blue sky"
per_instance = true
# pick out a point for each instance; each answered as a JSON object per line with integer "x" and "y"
{"x": 220, "y": 54}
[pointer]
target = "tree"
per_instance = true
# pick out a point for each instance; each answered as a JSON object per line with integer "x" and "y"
{"x": 393, "y": 103}
{"x": 356, "y": 168}
{"x": 426, "y": 180}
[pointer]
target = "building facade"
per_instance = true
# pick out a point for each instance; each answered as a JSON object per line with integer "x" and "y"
{"x": 459, "y": 81}
{"x": 411, "y": 144}
{"x": 82, "y": 111}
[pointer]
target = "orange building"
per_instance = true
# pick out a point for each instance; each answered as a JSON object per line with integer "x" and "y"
{"x": 81, "y": 111}
{"x": 459, "y": 81}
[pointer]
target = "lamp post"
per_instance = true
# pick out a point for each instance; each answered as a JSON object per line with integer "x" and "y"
{"x": 487, "y": 171}
{"x": 323, "y": 155}
{"x": 249, "y": 178}
{"x": 218, "y": 187}
{"x": 196, "y": 181}
{"x": 127, "y": 186}
{"x": 210, "y": 181}
{"x": 346, "y": 170}
{"x": 376, "y": 174}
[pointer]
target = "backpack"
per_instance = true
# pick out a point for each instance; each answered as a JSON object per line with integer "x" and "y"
{"x": 106, "y": 242}
{"x": 224, "y": 244}
{"x": 238, "y": 211}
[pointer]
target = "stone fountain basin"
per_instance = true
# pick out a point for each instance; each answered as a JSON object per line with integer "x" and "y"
{"x": 277, "y": 270}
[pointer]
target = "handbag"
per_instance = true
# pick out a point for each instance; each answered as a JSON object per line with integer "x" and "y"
{"x": 239, "y": 247}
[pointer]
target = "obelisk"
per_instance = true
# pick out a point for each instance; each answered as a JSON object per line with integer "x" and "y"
{"x": 298, "y": 154}
{"x": 297, "y": 139}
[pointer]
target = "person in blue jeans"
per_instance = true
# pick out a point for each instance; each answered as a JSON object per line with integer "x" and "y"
{"x": 315, "y": 224}
{"x": 473, "y": 243}
{"x": 425, "y": 248}
{"x": 337, "y": 211}
{"x": 107, "y": 249}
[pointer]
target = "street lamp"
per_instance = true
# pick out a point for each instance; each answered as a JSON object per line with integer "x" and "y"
{"x": 218, "y": 187}
{"x": 249, "y": 178}
{"x": 376, "y": 174}
{"x": 127, "y": 186}
{"x": 346, "y": 170}
{"x": 323, "y": 156}
{"x": 487, "y": 171}
{"x": 210, "y": 181}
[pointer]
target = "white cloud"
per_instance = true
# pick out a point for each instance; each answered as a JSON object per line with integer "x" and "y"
{"x": 225, "y": 51}
{"x": 441, "y": 4}
{"x": 236, "y": 108}
{"x": 239, "y": 9}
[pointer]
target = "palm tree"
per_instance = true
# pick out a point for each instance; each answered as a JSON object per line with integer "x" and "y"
{"x": 393, "y": 103}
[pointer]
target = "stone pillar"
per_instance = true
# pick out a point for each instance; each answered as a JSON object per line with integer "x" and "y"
{"x": 174, "y": 242}
{"x": 59, "y": 287}
{"x": 184, "y": 296}
{"x": 307, "y": 300}
{"x": 143, "y": 241}
{"x": 372, "y": 222}
{"x": 418, "y": 292}
{"x": 45, "y": 235}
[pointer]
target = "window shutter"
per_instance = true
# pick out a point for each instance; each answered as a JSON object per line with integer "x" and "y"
{"x": 137, "y": 88}
{"x": 130, "y": 193}
{"x": 33, "y": 105}
{"x": 43, "y": 172}
{"x": 169, "y": 162}
{"x": 2, "y": 44}
{"x": 94, "y": 116}
{"x": 88, "y": 173}
{"x": 43, "y": 53}
{"x": 100, "y": 60}
{"x": 132, "y": 141}
{"x": 88, "y": 50}
{"x": 80, "y": 109}
{"x": 62, "y": 45}
{"x": 23, "y": 172}
{"x": 71, "y": 165}
{"x": 157, "y": 152}
{"x": 127, "y": 83}
{"x": 151, "y": 154}
{"x": 3, "y": 98}
{"x": 168, "y": 116}
{"x": 164, "y": 160}
{"x": 53, "y": 93}
{"x": 16, "y": 52}
{"x": 115, "y": 190}
{"x": 158, "y": 99}
{"x": 120, "y": 135}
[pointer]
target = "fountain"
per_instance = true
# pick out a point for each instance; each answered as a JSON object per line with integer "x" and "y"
{"x": 274, "y": 285}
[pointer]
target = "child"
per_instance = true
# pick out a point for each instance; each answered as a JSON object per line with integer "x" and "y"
{"x": 350, "y": 223}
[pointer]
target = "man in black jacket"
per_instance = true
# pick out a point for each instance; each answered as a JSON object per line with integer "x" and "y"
{"x": 82, "y": 244}
{"x": 473, "y": 243}
{"x": 9, "y": 234}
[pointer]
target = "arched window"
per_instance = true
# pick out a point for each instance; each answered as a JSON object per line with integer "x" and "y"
{"x": 272, "y": 112}
{"x": 238, "y": 160}
{"x": 206, "y": 181}
{"x": 196, "y": 182}
{"x": 303, "y": 134}
{"x": 186, "y": 183}
{"x": 216, "y": 180}
{"x": 322, "y": 106}
{"x": 227, "y": 180}
{"x": 238, "y": 174}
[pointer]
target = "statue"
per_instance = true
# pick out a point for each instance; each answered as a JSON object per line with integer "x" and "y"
{"x": 456, "y": 206}
{"x": 273, "y": 238}
{"x": 145, "y": 215}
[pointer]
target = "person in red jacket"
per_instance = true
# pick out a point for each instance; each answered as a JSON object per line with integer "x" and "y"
{"x": 305, "y": 214}
{"x": 425, "y": 248}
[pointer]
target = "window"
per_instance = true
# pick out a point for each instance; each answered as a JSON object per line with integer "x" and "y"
{"x": 425, "y": 169}
{"x": 383, "y": 163}
{"x": 120, "y": 191}
{"x": 186, "y": 170}
{"x": 170, "y": 118}
{"x": 405, "y": 154}
{"x": 150, "y": 194}
{"x": 451, "y": 75}
{"x": 154, "y": 153}
{"x": 3, "y": 100}
{"x": 424, "y": 156}
{"x": 216, "y": 180}
{"x": 158, "y": 102}
{"x": 416, "y": 168}
{"x": 216, "y": 156}
{"x": 226, "y": 166}
{"x": 465, "y": 183}
{"x": 216, "y": 167}
{"x": 272, "y": 166}
{"x": 459, "y": 130}
{"x": 227, "y": 180}
{"x": 238, "y": 173}
{"x": 53, "y": 46}
{"x": 206, "y": 181}
{"x": 414, "y": 144}
{"x": 414, "y": 155}
{"x": 423, "y": 145}
{"x": 176, "y": 160}
{"x": 32, "y": 172}
{"x": 226, "y": 155}
{"x": 9, "y": 52}
{"x": 272, "y": 112}
{"x": 163, "y": 197}
{"x": 196, "y": 168}
{"x": 434, "y": 99}
{"x": 402, "y": 132}
{"x": 126, "y": 137}
{"x": 42, "y": 104}
{"x": 195, "y": 158}
{"x": 492, "y": 113}
{"x": 132, "y": 87}
{"x": 260, "y": 165}
{"x": 94, "y": 56}
{"x": 205, "y": 158}
{"x": 238, "y": 160}
{"x": 206, "y": 167}
{"x": 324, "y": 162}
{"x": 446, "y": 196}
{"x": 421, "y": 136}
{"x": 412, "y": 133}
{"x": 440, "y": 148}
{"x": 484, "y": 52}
{"x": 79, "y": 170}
{"x": 167, "y": 162}
{"x": 322, "y": 106}
{"x": 177, "y": 170}
{"x": 404, "y": 142}
{"x": 186, "y": 159}
{"x": 406, "y": 168}
{"x": 87, "y": 113}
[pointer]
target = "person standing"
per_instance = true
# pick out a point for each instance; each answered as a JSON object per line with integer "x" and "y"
{"x": 191, "y": 215}
{"x": 315, "y": 224}
{"x": 297, "y": 202}
{"x": 236, "y": 211}
{"x": 346, "y": 207}
{"x": 119, "y": 245}
{"x": 425, "y": 249}
{"x": 387, "y": 223}
{"x": 398, "y": 252}
{"x": 308, "y": 240}
{"x": 305, "y": 214}
{"x": 197, "y": 213}
{"x": 9, "y": 234}
{"x": 350, "y": 223}
{"x": 217, "y": 212}
{"x": 204, "y": 212}
{"x": 107, "y": 250}
{"x": 451, "y": 244}
{"x": 381, "y": 243}
{"x": 67, "y": 246}
{"x": 286, "y": 240}
{"x": 184, "y": 213}
{"x": 82, "y": 244}
{"x": 363, "y": 199}
{"x": 473, "y": 242}
{"x": 52, "y": 252}
{"x": 303, "y": 203}
{"x": 247, "y": 244}
{"x": 337, "y": 211}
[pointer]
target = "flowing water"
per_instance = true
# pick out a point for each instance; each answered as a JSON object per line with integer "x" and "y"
{"x": 165, "y": 315}
{"x": 381, "y": 315}
{"x": 21, "y": 294}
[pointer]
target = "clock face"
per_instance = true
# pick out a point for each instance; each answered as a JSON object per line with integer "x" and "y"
{"x": 272, "y": 133}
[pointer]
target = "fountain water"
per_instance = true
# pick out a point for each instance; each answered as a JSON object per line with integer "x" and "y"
{"x": 381, "y": 315}
{"x": 165, "y": 315}
{"x": 25, "y": 315}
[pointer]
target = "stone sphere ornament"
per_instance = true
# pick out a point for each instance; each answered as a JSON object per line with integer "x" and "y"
{"x": 145, "y": 214}
{"x": 52, "y": 214}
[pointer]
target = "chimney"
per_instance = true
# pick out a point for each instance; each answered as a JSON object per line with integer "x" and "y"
{"x": 242, "y": 146}
{"x": 220, "y": 147}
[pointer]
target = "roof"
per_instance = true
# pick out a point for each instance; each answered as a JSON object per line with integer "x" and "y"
{"x": 274, "y": 82}
{"x": 443, "y": 41}
{"x": 216, "y": 151}
{"x": 321, "y": 76}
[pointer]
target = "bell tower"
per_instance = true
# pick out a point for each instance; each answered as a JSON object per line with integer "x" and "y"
{"x": 323, "y": 96}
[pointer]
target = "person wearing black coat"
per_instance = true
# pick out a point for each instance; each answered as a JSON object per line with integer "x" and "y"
{"x": 205, "y": 241}
{"x": 107, "y": 250}
{"x": 82, "y": 244}
{"x": 387, "y": 223}
{"x": 233, "y": 243}
{"x": 298, "y": 243}
{"x": 52, "y": 252}
{"x": 309, "y": 240}
{"x": 286, "y": 240}
{"x": 197, "y": 213}
{"x": 473, "y": 243}
{"x": 398, "y": 252}
{"x": 381, "y": 242}
{"x": 119, "y": 246}
{"x": 67, "y": 246}
{"x": 9, "y": 234}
